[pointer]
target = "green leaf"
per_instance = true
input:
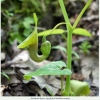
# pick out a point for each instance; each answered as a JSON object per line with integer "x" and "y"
{"x": 56, "y": 31}
{"x": 89, "y": 46}
{"x": 19, "y": 38}
{"x": 64, "y": 49}
{"x": 59, "y": 47}
{"x": 5, "y": 75}
{"x": 32, "y": 39}
{"x": 27, "y": 32}
{"x": 81, "y": 31}
{"x": 79, "y": 88}
{"x": 75, "y": 54}
{"x": 15, "y": 27}
{"x": 50, "y": 92}
{"x": 53, "y": 68}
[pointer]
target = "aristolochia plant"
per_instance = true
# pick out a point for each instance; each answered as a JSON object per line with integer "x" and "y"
{"x": 72, "y": 87}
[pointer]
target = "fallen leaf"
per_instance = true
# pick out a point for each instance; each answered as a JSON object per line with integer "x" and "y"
{"x": 90, "y": 64}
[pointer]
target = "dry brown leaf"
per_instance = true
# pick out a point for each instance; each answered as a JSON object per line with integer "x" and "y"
{"x": 90, "y": 65}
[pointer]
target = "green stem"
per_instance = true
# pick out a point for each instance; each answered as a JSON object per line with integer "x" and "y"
{"x": 64, "y": 12}
{"x": 61, "y": 84}
{"x": 49, "y": 91}
{"x": 69, "y": 40}
{"x": 69, "y": 47}
{"x": 33, "y": 52}
{"x": 62, "y": 23}
{"x": 69, "y": 50}
{"x": 81, "y": 13}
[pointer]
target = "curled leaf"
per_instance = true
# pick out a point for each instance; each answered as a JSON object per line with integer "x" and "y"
{"x": 32, "y": 39}
{"x": 79, "y": 88}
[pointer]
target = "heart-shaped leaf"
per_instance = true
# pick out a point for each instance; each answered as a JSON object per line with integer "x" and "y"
{"x": 79, "y": 88}
{"x": 53, "y": 68}
{"x": 81, "y": 31}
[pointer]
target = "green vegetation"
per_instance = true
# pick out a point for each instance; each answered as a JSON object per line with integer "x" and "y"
{"x": 5, "y": 75}
{"x": 72, "y": 87}
{"x": 84, "y": 47}
{"x": 16, "y": 17}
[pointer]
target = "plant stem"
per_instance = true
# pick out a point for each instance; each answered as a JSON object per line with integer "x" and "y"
{"x": 62, "y": 23}
{"x": 69, "y": 47}
{"x": 64, "y": 12}
{"x": 69, "y": 50}
{"x": 69, "y": 40}
{"x": 61, "y": 84}
{"x": 49, "y": 91}
{"x": 82, "y": 12}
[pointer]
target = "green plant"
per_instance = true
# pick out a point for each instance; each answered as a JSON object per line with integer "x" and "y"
{"x": 5, "y": 75}
{"x": 2, "y": 0}
{"x": 17, "y": 20}
{"x": 85, "y": 46}
{"x": 72, "y": 87}
{"x": 64, "y": 49}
